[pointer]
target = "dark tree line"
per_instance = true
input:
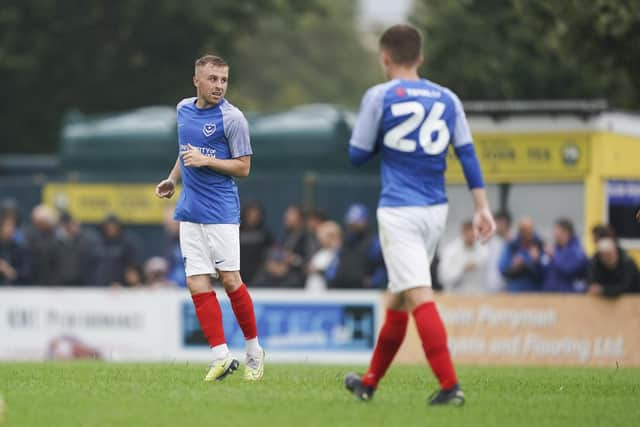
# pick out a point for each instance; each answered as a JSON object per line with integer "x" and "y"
{"x": 102, "y": 55}
{"x": 106, "y": 55}
{"x": 543, "y": 49}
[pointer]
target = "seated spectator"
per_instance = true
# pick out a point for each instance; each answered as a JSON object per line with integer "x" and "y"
{"x": 462, "y": 265}
{"x": 133, "y": 277}
{"x": 600, "y": 231}
{"x": 118, "y": 251}
{"x": 9, "y": 208}
{"x": 14, "y": 264}
{"x": 359, "y": 264}
{"x": 277, "y": 272}
{"x": 79, "y": 248}
{"x": 611, "y": 271}
{"x": 294, "y": 243}
{"x": 329, "y": 236}
{"x": 521, "y": 260}
{"x": 314, "y": 219}
{"x": 44, "y": 252}
{"x": 173, "y": 254}
{"x": 495, "y": 282}
{"x": 255, "y": 240}
{"x": 567, "y": 263}
{"x": 156, "y": 270}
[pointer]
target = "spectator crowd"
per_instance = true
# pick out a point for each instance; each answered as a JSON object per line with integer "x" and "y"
{"x": 313, "y": 252}
{"x": 526, "y": 263}
{"x": 54, "y": 249}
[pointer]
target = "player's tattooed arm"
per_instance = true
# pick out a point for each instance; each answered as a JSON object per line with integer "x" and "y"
{"x": 238, "y": 167}
{"x": 167, "y": 187}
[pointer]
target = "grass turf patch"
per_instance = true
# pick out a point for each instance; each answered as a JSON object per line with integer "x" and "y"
{"x": 102, "y": 394}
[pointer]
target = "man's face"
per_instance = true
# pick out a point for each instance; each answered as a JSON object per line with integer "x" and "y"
{"x": 502, "y": 227}
{"x": 7, "y": 229}
{"x": 253, "y": 217}
{"x": 211, "y": 82}
{"x": 560, "y": 236}
{"x": 358, "y": 227}
{"x": 609, "y": 257}
{"x": 526, "y": 230}
{"x": 111, "y": 230}
{"x": 292, "y": 218}
{"x": 73, "y": 228}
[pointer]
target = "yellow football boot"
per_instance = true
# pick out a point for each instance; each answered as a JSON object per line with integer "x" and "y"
{"x": 220, "y": 369}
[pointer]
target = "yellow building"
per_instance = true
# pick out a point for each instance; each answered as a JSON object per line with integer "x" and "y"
{"x": 573, "y": 159}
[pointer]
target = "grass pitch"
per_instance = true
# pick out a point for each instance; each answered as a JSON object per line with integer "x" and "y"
{"x": 100, "y": 394}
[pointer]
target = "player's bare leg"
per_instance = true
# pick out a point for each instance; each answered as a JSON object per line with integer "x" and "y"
{"x": 433, "y": 335}
{"x": 210, "y": 318}
{"x": 242, "y": 306}
{"x": 389, "y": 341}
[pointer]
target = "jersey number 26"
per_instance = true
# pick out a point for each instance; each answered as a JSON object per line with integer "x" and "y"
{"x": 434, "y": 125}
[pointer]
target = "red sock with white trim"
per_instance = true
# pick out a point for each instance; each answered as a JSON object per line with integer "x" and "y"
{"x": 389, "y": 341}
{"x": 434, "y": 343}
{"x": 210, "y": 317}
{"x": 242, "y": 306}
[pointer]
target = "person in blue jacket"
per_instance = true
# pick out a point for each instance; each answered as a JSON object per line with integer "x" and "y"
{"x": 567, "y": 263}
{"x": 522, "y": 260}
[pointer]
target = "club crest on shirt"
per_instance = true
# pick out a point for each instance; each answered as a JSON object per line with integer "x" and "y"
{"x": 208, "y": 129}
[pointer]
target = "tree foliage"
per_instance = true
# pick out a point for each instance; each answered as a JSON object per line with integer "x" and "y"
{"x": 506, "y": 49}
{"x": 102, "y": 55}
{"x": 316, "y": 57}
{"x": 604, "y": 34}
{"x": 105, "y": 55}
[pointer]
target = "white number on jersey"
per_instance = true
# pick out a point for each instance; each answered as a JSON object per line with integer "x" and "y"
{"x": 396, "y": 138}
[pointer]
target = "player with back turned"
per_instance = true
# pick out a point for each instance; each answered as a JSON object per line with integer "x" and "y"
{"x": 214, "y": 147}
{"x": 412, "y": 122}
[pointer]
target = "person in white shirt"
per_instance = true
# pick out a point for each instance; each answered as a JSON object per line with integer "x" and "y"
{"x": 329, "y": 235}
{"x": 494, "y": 279}
{"x": 462, "y": 264}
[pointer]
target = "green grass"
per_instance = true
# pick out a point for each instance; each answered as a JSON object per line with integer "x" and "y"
{"x": 100, "y": 394}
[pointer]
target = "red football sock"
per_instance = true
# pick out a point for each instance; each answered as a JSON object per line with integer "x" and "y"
{"x": 210, "y": 317}
{"x": 434, "y": 342}
{"x": 242, "y": 306}
{"x": 389, "y": 340}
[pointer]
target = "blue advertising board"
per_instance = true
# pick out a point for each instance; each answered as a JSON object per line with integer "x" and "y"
{"x": 289, "y": 326}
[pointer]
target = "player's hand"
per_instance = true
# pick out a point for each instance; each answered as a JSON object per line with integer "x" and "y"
{"x": 517, "y": 262}
{"x": 470, "y": 266}
{"x": 194, "y": 157}
{"x": 638, "y": 215}
{"x": 595, "y": 289}
{"x": 7, "y": 270}
{"x": 483, "y": 225}
{"x": 165, "y": 189}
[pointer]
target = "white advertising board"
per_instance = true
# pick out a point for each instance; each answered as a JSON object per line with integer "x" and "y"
{"x": 160, "y": 325}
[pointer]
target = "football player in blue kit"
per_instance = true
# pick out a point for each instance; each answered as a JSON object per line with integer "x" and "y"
{"x": 214, "y": 147}
{"x": 411, "y": 122}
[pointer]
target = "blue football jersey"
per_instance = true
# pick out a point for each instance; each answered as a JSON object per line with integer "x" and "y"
{"x": 222, "y": 132}
{"x": 412, "y": 123}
